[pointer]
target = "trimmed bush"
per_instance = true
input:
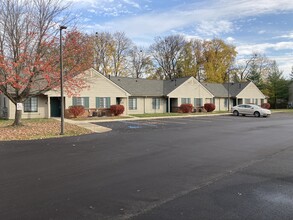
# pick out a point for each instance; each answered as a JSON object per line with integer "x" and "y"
{"x": 266, "y": 105}
{"x": 186, "y": 108}
{"x": 117, "y": 109}
{"x": 209, "y": 107}
{"x": 76, "y": 110}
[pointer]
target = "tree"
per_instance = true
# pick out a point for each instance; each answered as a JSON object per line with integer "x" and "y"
{"x": 103, "y": 50}
{"x": 241, "y": 71}
{"x": 218, "y": 59}
{"x": 29, "y": 51}
{"x": 111, "y": 53}
{"x": 278, "y": 87}
{"x": 141, "y": 63}
{"x": 166, "y": 53}
{"x": 122, "y": 44}
{"x": 291, "y": 74}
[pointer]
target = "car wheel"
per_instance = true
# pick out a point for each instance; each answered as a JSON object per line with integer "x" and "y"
{"x": 256, "y": 114}
{"x": 235, "y": 112}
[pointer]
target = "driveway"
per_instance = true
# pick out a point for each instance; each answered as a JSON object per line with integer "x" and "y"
{"x": 220, "y": 167}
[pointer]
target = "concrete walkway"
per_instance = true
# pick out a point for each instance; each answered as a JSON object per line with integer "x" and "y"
{"x": 90, "y": 124}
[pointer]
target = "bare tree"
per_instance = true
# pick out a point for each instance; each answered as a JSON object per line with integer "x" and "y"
{"x": 104, "y": 48}
{"x": 166, "y": 52}
{"x": 122, "y": 45}
{"x": 141, "y": 63}
{"x": 111, "y": 53}
{"x": 241, "y": 71}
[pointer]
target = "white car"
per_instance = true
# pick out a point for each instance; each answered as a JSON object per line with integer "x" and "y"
{"x": 249, "y": 109}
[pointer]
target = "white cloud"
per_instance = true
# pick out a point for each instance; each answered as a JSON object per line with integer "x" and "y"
{"x": 289, "y": 36}
{"x": 132, "y": 3}
{"x": 214, "y": 28}
{"x": 230, "y": 40}
{"x": 263, "y": 48}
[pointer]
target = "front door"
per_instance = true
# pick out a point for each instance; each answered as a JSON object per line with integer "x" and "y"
{"x": 55, "y": 106}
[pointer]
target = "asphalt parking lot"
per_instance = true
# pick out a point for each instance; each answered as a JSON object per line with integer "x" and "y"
{"x": 185, "y": 122}
{"x": 218, "y": 167}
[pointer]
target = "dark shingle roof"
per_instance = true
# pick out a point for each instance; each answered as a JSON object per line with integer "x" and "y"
{"x": 221, "y": 90}
{"x": 235, "y": 88}
{"x": 139, "y": 87}
{"x": 216, "y": 89}
{"x": 147, "y": 87}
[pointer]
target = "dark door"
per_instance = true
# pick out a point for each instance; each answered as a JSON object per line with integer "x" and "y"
{"x": 55, "y": 106}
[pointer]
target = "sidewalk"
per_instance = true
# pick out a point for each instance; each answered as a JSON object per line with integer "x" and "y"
{"x": 90, "y": 124}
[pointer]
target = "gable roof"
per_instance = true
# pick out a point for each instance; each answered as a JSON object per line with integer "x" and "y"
{"x": 172, "y": 84}
{"x": 235, "y": 88}
{"x": 147, "y": 87}
{"x": 221, "y": 90}
{"x": 217, "y": 89}
{"x": 138, "y": 86}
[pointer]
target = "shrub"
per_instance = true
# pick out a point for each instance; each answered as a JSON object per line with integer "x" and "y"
{"x": 209, "y": 107}
{"x": 76, "y": 110}
{"x": 186, "y": 108}
{"x": 266, "y": 105}
{"x": 117, "y": 109}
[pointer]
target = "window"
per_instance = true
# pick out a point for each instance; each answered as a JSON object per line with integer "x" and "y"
{"x": 103, "y": 102}
{"x": 197, "y": 102}
{"x": 156, "y": 103}
{"x": 132, "y": 102}
{"x": 256, "y": 101}
{"x": 185, "y": 100}
{"x": 31, "y": 105}
{"x": 84, "y": 101}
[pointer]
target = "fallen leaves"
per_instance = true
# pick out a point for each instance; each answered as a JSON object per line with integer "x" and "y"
{"x": 37, "y": 129}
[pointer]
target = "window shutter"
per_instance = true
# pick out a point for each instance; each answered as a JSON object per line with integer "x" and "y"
{"x": 98, "y": 102}
{"x": 74, "y": 101}
{"x": 108, "y": 102}
{"x": 86, "y": 102}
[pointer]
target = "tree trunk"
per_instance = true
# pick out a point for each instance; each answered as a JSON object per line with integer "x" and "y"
{"x": 17, "y": 119}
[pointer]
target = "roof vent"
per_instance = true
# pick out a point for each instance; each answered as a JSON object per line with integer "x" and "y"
{"x": 239, "y": 85}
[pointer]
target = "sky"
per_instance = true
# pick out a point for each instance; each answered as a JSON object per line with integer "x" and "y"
{"x": 252, "y": 26}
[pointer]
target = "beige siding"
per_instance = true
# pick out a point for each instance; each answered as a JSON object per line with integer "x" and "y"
{"x": 41, "y": 113}
{"x": 220, "y": 104}
{"x": 99, "y": 86}
{"x": 145, "y": 105}
{"x": 191, "y": 89}
{"x": 251, "y": 92}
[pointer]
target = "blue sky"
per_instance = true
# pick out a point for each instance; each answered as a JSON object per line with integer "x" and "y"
{"x": 263, "y": 26}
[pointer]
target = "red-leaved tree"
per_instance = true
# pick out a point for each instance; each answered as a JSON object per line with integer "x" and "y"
{"x": 30, "y": 51}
